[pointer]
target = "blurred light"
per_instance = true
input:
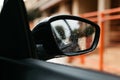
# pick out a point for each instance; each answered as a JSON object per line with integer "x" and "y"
{"x": 1, "y": 4}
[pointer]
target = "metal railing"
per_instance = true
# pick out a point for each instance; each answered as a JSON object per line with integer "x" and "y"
{"x": 100, "y": 18}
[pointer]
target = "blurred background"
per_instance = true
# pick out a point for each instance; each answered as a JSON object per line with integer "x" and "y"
{"x": 106, "y": 13}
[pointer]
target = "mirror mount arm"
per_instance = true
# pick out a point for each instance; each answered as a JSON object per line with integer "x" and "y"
{"x": 43, "y": 55}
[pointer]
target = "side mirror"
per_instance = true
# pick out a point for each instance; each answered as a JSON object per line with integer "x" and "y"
{"x": 67, "y": 35}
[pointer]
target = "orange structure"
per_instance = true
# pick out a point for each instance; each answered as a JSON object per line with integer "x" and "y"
{"x": 100, "y": 18}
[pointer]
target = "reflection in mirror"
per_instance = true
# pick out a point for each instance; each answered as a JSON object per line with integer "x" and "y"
{"x": 73, "y": 35}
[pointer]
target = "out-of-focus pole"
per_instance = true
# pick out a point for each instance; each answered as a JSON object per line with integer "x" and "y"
{"x": 75, "y": 11}
{"x": 101, "y": 44}
{"x": 102, "y": 5}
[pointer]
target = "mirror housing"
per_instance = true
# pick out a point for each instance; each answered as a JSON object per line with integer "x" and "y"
{"x": 66, "y": 35}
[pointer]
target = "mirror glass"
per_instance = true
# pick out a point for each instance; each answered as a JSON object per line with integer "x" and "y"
{"x": 73, "y": 35}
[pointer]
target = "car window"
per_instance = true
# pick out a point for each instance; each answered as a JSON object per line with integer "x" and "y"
{"x": 1, "y": 5}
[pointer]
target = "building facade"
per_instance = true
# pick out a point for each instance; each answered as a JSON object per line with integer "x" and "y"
{"x": 80, "y": 7}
